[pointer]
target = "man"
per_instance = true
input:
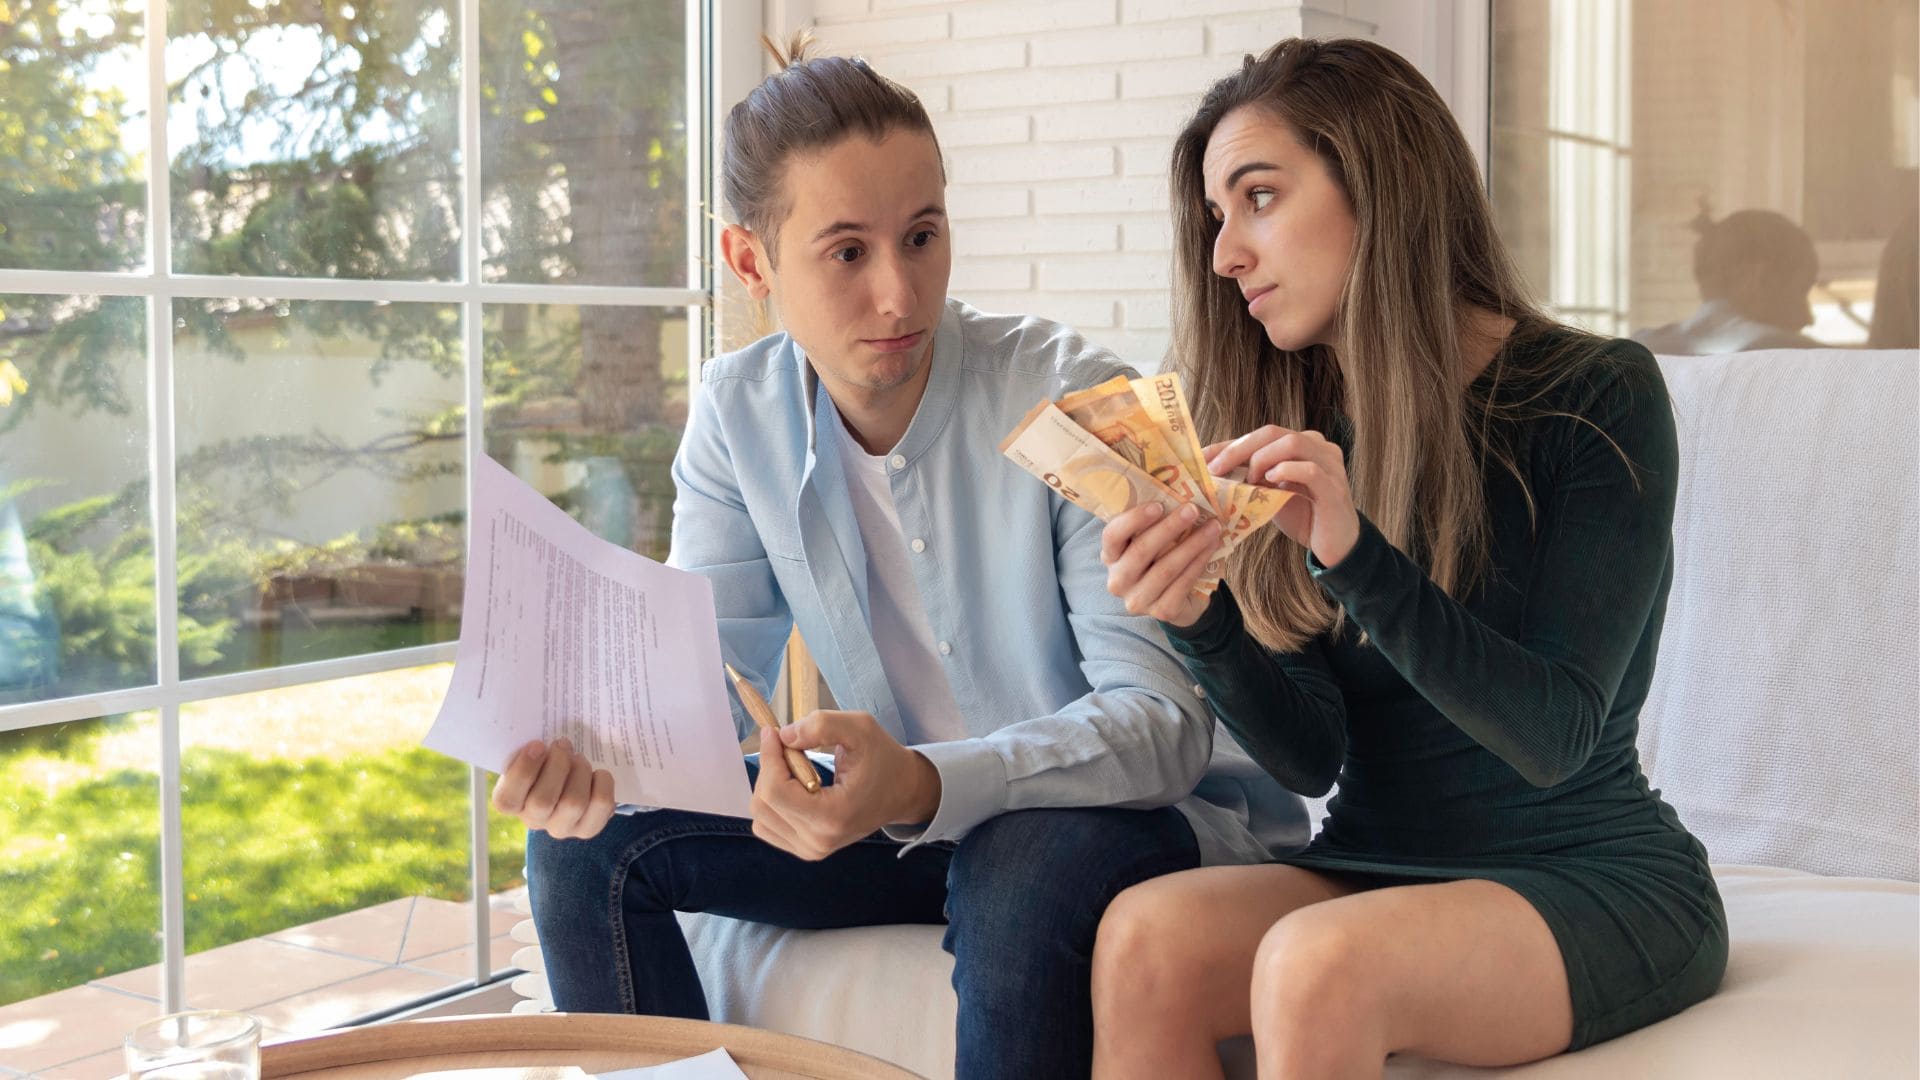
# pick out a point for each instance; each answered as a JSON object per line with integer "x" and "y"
{"x": 1015, "y": 744}
{"x": 1755, "y": 269}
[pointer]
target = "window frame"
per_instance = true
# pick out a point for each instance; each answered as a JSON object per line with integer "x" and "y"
{"x": 712, "y": 25}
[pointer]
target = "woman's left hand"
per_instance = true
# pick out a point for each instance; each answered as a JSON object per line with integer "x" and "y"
{"x": 1323, "y": 519}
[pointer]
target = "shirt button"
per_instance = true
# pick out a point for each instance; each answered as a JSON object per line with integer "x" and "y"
{"x": 946, "y": 649}
{"x": 1199, "y": 691}
{"x": 919, "y": 545}
{"x": 899, "y": 461}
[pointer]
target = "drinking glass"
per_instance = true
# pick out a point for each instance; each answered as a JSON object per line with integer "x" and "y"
{"x": 199, "y": 1045}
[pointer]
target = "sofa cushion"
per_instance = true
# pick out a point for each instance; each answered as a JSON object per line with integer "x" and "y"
{"x": 882, "y": 990}
{"x": 1781, "y": 720}
{"x": 1823, "y": 980}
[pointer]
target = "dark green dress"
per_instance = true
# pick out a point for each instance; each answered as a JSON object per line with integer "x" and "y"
{"x": 1494, "y": 738}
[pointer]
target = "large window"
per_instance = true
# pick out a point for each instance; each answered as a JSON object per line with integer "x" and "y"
{"x": 1714, "y": 176}
{"x": 272, "y": 275}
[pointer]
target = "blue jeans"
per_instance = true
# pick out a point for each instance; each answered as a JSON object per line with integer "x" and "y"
{"x": 1021, "y": 894}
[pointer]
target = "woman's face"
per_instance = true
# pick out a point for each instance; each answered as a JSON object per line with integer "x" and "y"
{"x": 1286, "y": 229}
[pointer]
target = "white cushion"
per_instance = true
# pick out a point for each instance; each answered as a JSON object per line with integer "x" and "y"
{"x": 1823, "y": 980}
{"x": 882, "y": 990}
{"x": 1782, "y": 719}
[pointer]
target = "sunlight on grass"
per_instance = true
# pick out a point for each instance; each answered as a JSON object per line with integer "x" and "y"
{"x": 329, "y": 719}
{"x": 296, "y": 804}
{"x": 367, "y": 713}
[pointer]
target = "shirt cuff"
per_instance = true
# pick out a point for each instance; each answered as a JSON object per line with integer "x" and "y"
{"x": 973, "y": 788}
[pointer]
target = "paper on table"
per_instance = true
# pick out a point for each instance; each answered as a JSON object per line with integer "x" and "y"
{"x": 715, "y": 1065}
{"x": 565, "y": 634}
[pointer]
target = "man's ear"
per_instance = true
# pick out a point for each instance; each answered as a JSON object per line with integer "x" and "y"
{"x": 747, "y": 257}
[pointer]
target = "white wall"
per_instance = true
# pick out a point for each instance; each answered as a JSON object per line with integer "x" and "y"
{"x": 1058, "y": 118}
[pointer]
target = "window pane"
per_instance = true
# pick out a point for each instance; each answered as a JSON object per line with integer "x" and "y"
{"x": 1711, "y": 191}
{"x": 320, "y": 483}
{"x": 315, "y": 139}
{"x": 76, "y": 541}
{"x": 1588, "y": 212}
{"x": 79, "y": 888}
{"x": 584, "y": 141}
{"x": 587, "y": 405}
{"x": 73, "y": 136}
{"x": 327, "y": 851}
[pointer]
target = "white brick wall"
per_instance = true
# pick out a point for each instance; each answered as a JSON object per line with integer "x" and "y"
{"x": 1057, "y": 119}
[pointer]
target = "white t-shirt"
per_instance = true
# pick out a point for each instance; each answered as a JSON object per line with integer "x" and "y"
{"x": 901, "y": 632}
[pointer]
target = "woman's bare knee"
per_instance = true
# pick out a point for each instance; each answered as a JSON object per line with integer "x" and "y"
{"x": 1464, "y": 972}
{"x": 1305, "y": 953}
{"x": 1311, "y": 970}
{"x": 1140, "y": 965}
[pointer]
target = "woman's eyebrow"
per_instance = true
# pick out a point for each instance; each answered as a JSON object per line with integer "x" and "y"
{"x": 1234, "y": 177}
{"x": 1239, "y": 174}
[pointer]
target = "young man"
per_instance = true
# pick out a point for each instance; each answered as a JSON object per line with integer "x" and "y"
{"x": 1017, "y": 748}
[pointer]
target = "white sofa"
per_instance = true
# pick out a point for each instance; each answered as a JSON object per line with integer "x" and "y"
{"x": 1783, "y": 724}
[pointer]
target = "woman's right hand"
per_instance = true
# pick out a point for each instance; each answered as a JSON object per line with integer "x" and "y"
{"x": 1154, "y": 560}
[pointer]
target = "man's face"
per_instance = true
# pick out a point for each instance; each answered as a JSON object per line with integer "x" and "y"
{"x": 863, "y": 260}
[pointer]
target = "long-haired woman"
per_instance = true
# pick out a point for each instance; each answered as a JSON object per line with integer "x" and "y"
{"x": 1455, "y": 620}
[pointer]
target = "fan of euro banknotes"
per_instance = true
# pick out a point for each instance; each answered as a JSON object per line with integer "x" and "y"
{"x": 1125, "y": 442}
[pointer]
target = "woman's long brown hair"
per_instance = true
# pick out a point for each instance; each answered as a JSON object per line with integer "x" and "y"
{"x": 1426, "y": 260}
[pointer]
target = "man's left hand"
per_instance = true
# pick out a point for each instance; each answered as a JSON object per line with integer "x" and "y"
{"x": 876, "y": 782}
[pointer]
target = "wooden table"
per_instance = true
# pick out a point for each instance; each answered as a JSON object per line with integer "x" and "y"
{"x": 556, "y": 1046}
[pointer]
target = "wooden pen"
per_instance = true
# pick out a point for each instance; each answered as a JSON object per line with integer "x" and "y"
{"x": 763, "y": 715}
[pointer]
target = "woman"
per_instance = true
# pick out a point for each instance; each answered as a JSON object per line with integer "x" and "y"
{"x": 1456, "y": 617}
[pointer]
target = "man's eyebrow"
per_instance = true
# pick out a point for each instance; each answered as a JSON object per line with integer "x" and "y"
{"x": 837, "y": 227}
{"x": 929, "y": 210}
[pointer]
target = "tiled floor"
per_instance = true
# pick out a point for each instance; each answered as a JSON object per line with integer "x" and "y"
{"x": 300, "y": 980}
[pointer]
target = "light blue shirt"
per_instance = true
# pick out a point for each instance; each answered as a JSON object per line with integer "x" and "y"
{"x": 1069, "y": 701}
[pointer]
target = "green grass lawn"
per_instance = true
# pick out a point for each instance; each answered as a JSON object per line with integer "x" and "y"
{"x": 269, "y": 843}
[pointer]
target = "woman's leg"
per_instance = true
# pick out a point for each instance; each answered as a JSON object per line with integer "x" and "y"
{"x": 1173, "y": 960}
{"x": 1462, "y": 971}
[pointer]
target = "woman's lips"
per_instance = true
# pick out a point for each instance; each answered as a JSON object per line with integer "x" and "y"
{"x": 895, "y": 344}
{"x": 1253, "y": 295}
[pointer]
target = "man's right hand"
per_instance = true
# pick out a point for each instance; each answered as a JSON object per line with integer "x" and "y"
{"x": 555, "y": 789}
